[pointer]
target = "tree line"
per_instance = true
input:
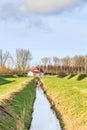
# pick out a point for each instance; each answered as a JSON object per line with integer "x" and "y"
{"x": 55, "y": 65}
{"x": 20, "y": 63}
{"x": 15, "y": 64}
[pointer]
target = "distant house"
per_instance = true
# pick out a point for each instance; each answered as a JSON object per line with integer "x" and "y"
{"x": 36, "y": 71}
{"x": 30, "y": 73}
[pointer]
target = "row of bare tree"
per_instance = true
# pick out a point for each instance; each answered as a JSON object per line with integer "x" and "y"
{"x": 67, "y": 64}
{"x": 20, "y": 63}
{"x": 15, "y": 64}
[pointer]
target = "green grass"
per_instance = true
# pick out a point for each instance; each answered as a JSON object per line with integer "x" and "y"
{"x": 77, "y": 77}
{"x": 3, "y": 81}
{"x": 70, "y": 76}
{"x": 70, "y": 99}
{"x": 82, "y": 76}
{"x": 19, "y": 109}
{"x": 8, "y": 84}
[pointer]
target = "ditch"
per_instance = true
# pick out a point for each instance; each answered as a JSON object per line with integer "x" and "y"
{"x": 44, "y": 118}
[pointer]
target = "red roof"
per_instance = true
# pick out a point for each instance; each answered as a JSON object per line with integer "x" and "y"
{"x": 37, "y": 70}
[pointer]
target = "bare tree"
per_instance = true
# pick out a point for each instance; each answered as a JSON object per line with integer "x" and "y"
{"x": 45, "y": 60}
{"x": 66, "y": 63}
{"x": 79, "y": 61}
{"x": 56, "y": 60}
{"x": 85, "y": 65}
{"x": 23, "y": 56}
{"x": 4, "y": 57}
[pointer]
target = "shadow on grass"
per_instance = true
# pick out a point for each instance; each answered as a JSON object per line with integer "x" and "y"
{"x": 7, "y": 76}
{"x": 81, "y": 76}
{"x": 71, "y": 76}
{"x": 61, "y": 75}
{"x": 4, "y": 81}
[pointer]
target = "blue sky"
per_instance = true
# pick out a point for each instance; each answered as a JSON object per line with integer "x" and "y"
{"x": 46, "y": 27}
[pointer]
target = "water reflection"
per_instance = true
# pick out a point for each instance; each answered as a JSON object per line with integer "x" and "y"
{"x": 43, "y": 116}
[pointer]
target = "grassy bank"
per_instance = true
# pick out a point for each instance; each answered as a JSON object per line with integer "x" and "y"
{"x": 16, "y": 111}
{"x": 70, "y": 99}
{"x": 10, "y": 84}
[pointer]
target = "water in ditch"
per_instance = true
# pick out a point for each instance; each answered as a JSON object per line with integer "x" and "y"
{"x": 44, "y": 117}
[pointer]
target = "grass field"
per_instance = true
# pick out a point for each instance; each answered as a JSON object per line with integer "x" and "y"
{"x": 18, "y": 96}
{"x": 11, "y": 84}
{"x": 70, "y": 100}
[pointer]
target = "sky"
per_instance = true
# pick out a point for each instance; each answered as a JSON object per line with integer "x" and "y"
{"x": 46, "y": 27}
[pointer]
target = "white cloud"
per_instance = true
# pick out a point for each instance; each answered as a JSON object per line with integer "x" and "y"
{"x": 24, "y": 7}
{"x": 46, "y": 6}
